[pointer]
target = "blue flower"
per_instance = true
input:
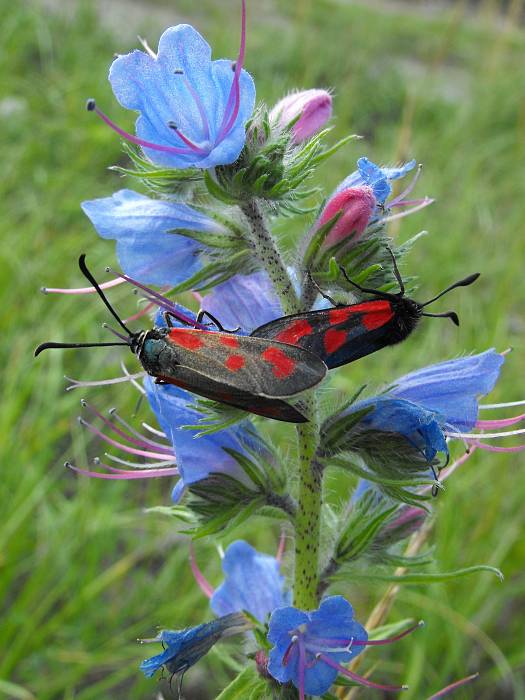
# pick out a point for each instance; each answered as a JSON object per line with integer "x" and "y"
{"x": 298, "y": 637}
{"x": 425, "y": 405}
{"x": 197, "y": 457}
{"x": 148, "y": 247}
{"x": 193, "y": 110}
{"x": 253, "y": 582}
{"x": 245, "y": 301}
{"x": 309, "y": 647}
{"x": 376, "y": 177}
{"x": 185, "y": 647}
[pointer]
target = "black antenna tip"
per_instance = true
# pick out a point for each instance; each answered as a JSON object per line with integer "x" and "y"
{"x": 454, "y": 318}
{"x": 91, "y": 104}
{"x": 471, "y": 279}
{"x": 40, "y": 348}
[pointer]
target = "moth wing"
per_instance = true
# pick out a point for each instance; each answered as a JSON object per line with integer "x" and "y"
{"x": 194, "y": 382}
{"x": 251, "y": 365}
{"x": 338, "y": 335}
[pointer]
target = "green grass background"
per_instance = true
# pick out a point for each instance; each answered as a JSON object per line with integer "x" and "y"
{"x": 83, "y": 571}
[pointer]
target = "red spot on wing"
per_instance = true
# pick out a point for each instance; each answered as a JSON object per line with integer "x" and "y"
{"x": 282, "y": 365}
{"x": 230, "y": 341}
{"x": 295, "y": 331}
{"x": 234, "y": 363}
{"x": 189, "y": 340}
{"x": 334, "y": 339}
{"x": 374, "y": 313}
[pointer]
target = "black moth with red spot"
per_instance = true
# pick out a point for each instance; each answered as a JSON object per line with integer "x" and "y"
{"x": 346, "y": 333}
{"x": 242, "y": 371}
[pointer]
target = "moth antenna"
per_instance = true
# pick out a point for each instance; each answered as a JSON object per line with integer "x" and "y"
{"x": 112, "y": 330}
{"x": 89, "y": 276}
{"x": 452, "y": 315}
{"x": 397, "y": 274}
{"x": 367, "y": 290}
{"x": 462, "y": 283}
{"x": 49, "y": 346}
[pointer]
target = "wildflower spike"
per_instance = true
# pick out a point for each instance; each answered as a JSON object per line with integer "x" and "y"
{"x": 249, "y": 373}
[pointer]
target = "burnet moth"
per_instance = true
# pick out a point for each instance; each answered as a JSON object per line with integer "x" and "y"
{"x": 247, "y": 372}
{"x": 345, "y": 333}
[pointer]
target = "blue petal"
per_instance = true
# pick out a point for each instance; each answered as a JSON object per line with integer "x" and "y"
{"x": 282, "y": 622}
{"x": 423, "y": 428}
{"x": 245, "y": 301}
{"x": 147, "y": 248}
{"x": 157, "y": 89}
{"x": 376, "y": 177}
{"x": 452, "y": 388}
{"x": 252, "y": 582}
{"x": 400, "y": 171}
{"x": 196, "y": 458}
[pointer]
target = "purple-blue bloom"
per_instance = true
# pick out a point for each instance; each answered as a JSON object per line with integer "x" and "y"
{"x": 298, "y": 637}
{"x": 185, "y": 647}
{"x": 148, "y": 247}
{"x": 252, "y": 582}
{"x": 197, "y": 457}
{"x": 245, "y": 301}
{"x": 425, "y": 405}
{"x": 193, "y": 110}
{"x": 376, "y": 177}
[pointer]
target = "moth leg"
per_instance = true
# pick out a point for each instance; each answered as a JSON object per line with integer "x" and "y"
{"x": 168, "y": 315}
{"x": 321, "y": 292}
{"x": 202, "y": 313}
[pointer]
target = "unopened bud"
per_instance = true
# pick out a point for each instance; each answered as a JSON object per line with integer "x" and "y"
{"x": 355, "y": 206}
{"x": 311, "y": 108}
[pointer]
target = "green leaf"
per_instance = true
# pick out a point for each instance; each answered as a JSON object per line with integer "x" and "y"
{"x": 420, "y": 578}
{"x": 247, "y": 686}
{"x": 216, "y": 190}
{"x": 324, "y": 155}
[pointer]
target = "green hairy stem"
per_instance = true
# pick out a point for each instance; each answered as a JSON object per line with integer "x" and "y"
{"x": 266, "y": 250}
{"x": 307, "y": 518}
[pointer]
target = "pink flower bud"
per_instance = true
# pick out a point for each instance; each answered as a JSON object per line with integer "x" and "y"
{"x": 357, "y": 205}
{"x": 314, "y": 106}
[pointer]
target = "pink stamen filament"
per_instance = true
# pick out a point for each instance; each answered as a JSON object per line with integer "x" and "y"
{"x": 119, "y": 445}
{"x": 282, "y": 546}
{"x": 192, "y": 146}
{"x": 408, "y": 189}
{"x": 92, "y": 107}
{"x": 162, "y": 301}
{"x": 485, "y": 436}
{"x": 302, "y": 667}
{"x": 201, "y": 580}
{"x": 141, "y": 465}
{"x": 408, "y": 202}
{"x": 358, "y": 679}
{"x": 501, "y": 423}
{"x": 76, "y": 384}
{"x": 82, "y": 290}
{"x": 132, "y": 379}
{"x": 154, "y": 431}
{"x": 143, "y": 312}
{"x": 509, "y": 404}
{"x": 288, "y": 652}
{"x": 333, "y": 644}
{"x": 137, "y": 442}
{"x": 234, "y": 97}
{"x": 151, "y": 443}
{"x": 454, "y": 686}
{"x": 496, "y": 448}
{"x": 123, "y": 474}
{"x": 400, "y": 215}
